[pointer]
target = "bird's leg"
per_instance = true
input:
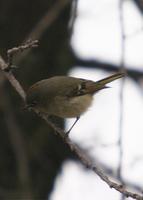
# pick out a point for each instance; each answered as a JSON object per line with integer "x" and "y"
{"x": 67, "y": 133}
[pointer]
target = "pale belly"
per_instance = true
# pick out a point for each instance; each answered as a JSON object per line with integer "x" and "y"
{"x": 70, "y": 108}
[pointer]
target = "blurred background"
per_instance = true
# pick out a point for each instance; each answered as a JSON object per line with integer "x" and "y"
{"x": 87, "y": 39}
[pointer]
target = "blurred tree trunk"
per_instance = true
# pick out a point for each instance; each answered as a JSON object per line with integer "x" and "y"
{"x": 44, "y": 152}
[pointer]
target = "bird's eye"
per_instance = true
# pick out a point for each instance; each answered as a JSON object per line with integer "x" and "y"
{"x": 81, "y": 88}
{"x": 77, "y": 91}
{"x": 83, "y": 85}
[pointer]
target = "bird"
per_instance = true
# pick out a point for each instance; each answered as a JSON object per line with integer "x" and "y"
{"x": 65, "y": 96}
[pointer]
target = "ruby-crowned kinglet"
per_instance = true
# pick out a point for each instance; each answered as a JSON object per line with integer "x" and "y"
{"x": 65, "y": 97}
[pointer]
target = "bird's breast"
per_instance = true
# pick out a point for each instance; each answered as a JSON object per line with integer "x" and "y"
{"x": 71, "y": 107}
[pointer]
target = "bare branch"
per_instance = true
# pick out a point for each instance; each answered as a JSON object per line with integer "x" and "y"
{"x": 88, "y": 163}
{"x": 120, "y": 140}
{"x": 47, "y": 19}
{"x": 29, "y": 44}
{"x": 43, "y": 24}
{"x": 73, "y": 16}
{"x": 74, "y": 148}
{"x": 122, "y": 68}
{"x": 12, "y": 79}
{"x": 7, "y": 66}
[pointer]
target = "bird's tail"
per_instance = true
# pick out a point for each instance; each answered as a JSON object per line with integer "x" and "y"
{"x": 93, "y": 87}
{"x": 110, "y": 78}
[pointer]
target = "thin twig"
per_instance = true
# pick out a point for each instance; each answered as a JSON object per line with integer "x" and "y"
{"x": 73, "y": 16}
{"x": 7, "y": 66}
{"x": 47, "y": 19}
{"x": 120, "y": 140}
{"x": 29, "y": 44}
{"x": 12, "y": 79}
{"x": 44, "y": 23}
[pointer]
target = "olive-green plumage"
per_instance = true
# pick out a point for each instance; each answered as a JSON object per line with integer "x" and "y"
{"x": 65, "y": 96}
